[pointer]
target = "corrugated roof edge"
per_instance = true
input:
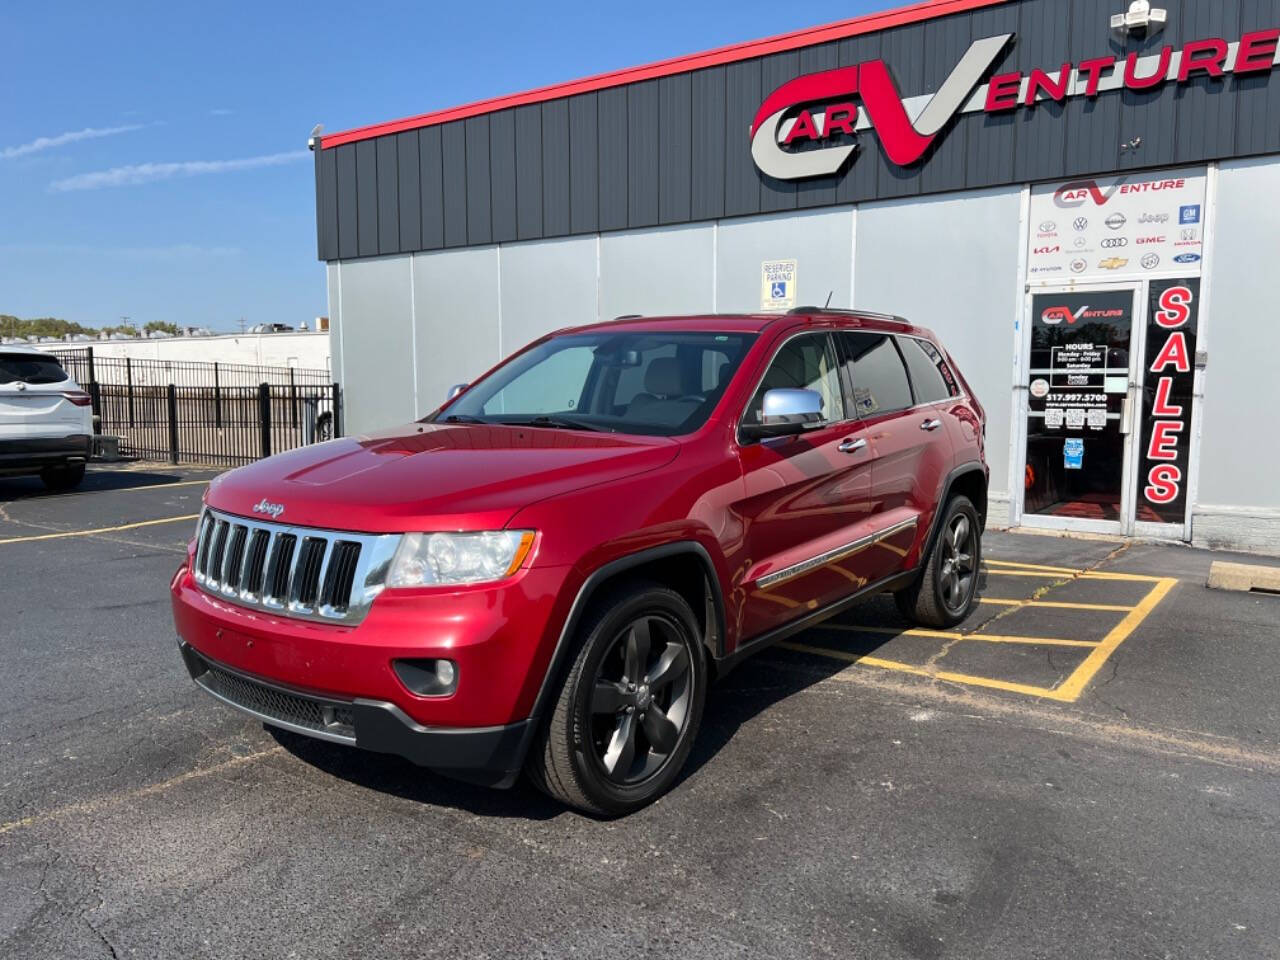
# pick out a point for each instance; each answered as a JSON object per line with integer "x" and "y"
{"x": 868, "y": 23}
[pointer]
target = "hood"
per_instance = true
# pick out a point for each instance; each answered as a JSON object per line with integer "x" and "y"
{"x": 433, "y": 476}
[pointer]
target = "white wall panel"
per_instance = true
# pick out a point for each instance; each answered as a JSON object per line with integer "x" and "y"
{"x": 950, "y": 263}
{"x": 546, "y": 285}
{"x": 664, "y": 270}
{"x": 820, "y": 241}
{"x": 1240, "y": 458}
{"x": 456, "y": 309}
{"x": 377, "y": 343}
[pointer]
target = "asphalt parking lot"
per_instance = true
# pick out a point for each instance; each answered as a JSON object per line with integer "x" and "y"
{"x": 1089, "y": 767}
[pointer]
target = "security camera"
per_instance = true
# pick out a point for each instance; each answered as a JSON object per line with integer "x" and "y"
{"x": 314, "y": 137}
{"x": 1141, "y": 18}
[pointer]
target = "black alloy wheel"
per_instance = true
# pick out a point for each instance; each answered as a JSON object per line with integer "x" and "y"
{"x": 947, "y": 587}
{"x": 624, "y": 718}
{"x": 958, "y": 570}
{"x": 640, "y": 699}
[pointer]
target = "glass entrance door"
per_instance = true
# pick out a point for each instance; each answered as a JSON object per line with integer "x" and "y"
{"x": 1079, "y": 380}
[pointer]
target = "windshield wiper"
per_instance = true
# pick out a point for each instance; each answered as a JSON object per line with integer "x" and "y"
{"x": 462, "y": 418}
{"x": 555, "y": 422}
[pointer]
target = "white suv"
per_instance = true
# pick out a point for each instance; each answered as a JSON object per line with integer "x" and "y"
{"x": 46, "y": 424}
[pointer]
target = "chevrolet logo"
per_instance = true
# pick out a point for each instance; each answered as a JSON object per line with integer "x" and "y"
{"x": 1113, "y": 263}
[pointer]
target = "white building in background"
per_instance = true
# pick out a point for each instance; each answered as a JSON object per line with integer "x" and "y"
{"x": 304, "y": 350}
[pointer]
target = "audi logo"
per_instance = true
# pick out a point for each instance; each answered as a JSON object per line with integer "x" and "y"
{"x": 1114, "y": 242}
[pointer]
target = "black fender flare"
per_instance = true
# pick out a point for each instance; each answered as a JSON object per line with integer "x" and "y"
{"x": 973, "y": 466}
{"x": 713, "y": 639}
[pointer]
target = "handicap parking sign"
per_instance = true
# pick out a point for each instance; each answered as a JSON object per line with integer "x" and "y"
{"x": 777, "y": 285}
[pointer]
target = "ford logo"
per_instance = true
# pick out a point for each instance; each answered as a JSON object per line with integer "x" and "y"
{"x": 1187, "y": 258}
{"x": 266, "y": 506}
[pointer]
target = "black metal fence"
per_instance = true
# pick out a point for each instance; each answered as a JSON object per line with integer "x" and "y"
{"x": 215, "y": 413}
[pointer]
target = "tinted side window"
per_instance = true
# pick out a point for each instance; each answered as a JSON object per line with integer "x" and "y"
{"x": 929, "y": 373}
{"x": 879, "y": 380}
{"x": 804, "y": 363}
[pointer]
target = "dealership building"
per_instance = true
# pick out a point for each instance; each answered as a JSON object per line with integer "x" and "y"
{"x": 1081, "y": 197}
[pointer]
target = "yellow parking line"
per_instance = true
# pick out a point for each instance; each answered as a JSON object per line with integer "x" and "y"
{"x": 1056, "y": 604}
{"x": 964, "y": 678}
{"x": 950, "y": 635}
{"x": 90, "y": 533}
{"x": 1075, "y": 684}
{"x": 1030, "y": 566}
{"x": 1090, "y": 575}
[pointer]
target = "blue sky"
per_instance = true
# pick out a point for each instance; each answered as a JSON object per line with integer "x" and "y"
{"x": 153, "y": 155}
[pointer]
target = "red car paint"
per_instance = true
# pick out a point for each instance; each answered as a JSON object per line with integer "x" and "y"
{"x": 592, "y": 498}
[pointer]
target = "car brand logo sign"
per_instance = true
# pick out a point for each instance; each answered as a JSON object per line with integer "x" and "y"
{"x": 1053, "y": 316}
{"x": 1150, "y": 261}
{"x": 1189, "y": 214}
{"x": 1048, "y": 227}
{"x": 265, "y": 506}
{"x": 809, "y": 126}
{"x": 1079, "y": 266}
{"x": 1081, "y": 224}
{"x": 1154, "y": 218}
{"x": 1113, "y": 243}
{"x": 1117, "y": 221}
{"x": 1187, "y": 258}
{"x": 1113, "y": 263}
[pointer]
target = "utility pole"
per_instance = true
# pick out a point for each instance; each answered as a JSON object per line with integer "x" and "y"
{"x": 242, "y": 325}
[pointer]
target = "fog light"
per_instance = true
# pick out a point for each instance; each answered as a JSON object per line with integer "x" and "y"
{"x": 428, "y": 678}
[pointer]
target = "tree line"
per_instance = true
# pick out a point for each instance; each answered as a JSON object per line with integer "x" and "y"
{"x": 11, "y": 326}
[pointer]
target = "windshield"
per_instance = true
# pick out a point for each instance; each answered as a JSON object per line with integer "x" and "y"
{"x": 654, "y": 383}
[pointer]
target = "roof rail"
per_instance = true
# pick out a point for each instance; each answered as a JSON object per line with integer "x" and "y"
{"x": 870, "y": 314}
{"x": 628, "y": 316}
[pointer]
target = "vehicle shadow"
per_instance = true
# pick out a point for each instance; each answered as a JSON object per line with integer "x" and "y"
{"x": 745, "y": 693}
{"x": 102, "y": 480}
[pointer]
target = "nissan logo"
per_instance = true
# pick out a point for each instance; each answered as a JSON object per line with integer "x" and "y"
{"x": 1117, "y": 221}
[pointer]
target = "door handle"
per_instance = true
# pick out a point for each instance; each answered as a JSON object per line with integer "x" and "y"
{"x": 852, "y": 446}
{"x": 930, "y": 425}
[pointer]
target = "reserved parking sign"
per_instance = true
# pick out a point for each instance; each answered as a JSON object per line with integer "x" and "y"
{"x": 778, "y": 284}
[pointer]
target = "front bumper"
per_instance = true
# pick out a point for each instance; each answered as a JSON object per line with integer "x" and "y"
{"x": 489, "y": 755}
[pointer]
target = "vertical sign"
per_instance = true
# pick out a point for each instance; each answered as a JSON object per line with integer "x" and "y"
{"x": 1174, "y": 320}
{"x": 778, "y": 284}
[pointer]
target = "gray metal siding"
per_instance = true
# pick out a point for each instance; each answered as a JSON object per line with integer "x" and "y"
{"x": 555, "y": 168}
{"x": 431, "y": 181}
{"x": 675, "y": 150}
{"x": 584, "y": 165}
{"x": 367, "y": 198}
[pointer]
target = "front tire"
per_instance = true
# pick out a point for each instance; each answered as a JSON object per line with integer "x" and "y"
{"x": 626, "y": 715}
{"x": 948, "y": 586}
{"x": 65, "y": 477}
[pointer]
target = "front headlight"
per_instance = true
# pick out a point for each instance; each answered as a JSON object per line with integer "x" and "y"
{"x": 427, "y": 559}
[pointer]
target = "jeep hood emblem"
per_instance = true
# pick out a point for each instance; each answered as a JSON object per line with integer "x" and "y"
{"x": 266, "y": 506}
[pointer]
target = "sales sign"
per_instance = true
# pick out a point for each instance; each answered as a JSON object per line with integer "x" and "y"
{"x": 1168, "y": 398}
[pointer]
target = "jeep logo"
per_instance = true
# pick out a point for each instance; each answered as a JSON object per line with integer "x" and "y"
{"x": 266, "y": 506}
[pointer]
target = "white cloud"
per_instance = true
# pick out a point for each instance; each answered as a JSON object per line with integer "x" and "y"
{"x": 71, "y": 136}
{"x": 137, "y": 173}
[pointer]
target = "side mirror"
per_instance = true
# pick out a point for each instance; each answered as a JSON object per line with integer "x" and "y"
{"x": 456, "y": 389}
{"x": 786, "y": 413}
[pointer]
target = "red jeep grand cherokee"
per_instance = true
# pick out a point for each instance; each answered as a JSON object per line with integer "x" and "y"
{"x": 546, "y": 572}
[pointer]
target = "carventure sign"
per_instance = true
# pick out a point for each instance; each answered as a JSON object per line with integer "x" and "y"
{"x": 808, "y": 127}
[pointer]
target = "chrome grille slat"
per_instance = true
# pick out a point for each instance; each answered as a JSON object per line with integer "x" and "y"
{"x": 328, "y": 576}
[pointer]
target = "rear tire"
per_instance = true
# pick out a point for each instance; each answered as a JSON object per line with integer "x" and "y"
{"x": 625, "y": 717}
{"x": 64, "y": 477}
{"x": 948, "y": 586}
